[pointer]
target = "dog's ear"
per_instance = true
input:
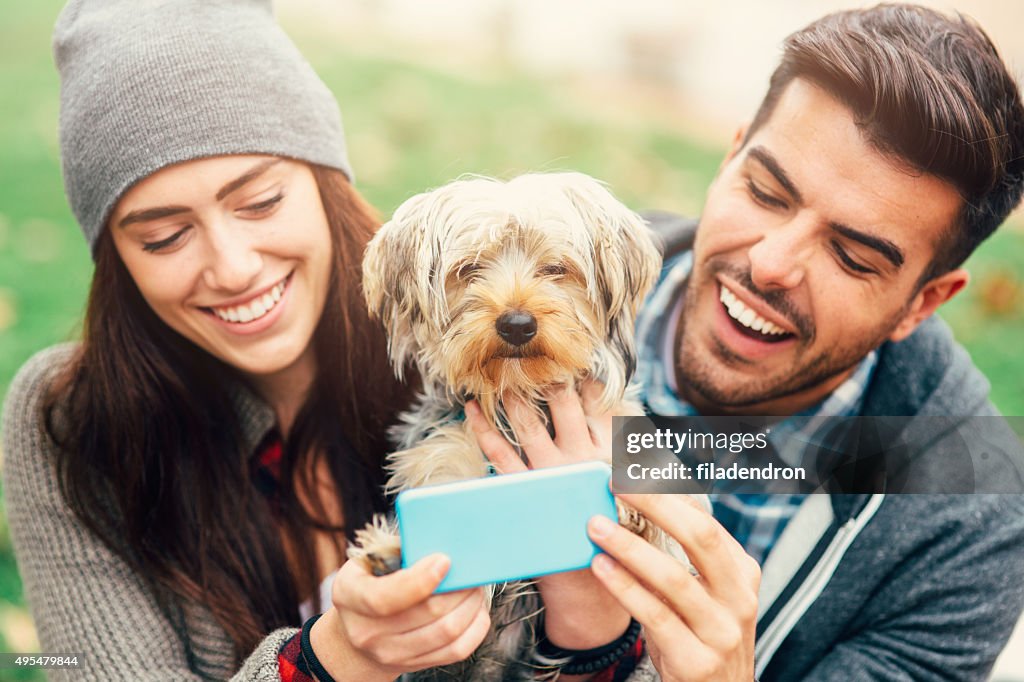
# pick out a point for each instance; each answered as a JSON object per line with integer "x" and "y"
{"x": 389, "y": 279}
{"x": 626, "y": 265}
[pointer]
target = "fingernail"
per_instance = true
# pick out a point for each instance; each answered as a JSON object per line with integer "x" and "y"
{"x": 601, "y": 526}
{"x": 602, "y": 563}
{"x": 439, "y": 565}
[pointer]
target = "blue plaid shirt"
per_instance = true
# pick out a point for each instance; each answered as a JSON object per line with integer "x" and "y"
{"x": 755, "y": 520}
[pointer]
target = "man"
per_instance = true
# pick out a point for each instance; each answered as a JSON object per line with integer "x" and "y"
{"x": 889, "y": 145}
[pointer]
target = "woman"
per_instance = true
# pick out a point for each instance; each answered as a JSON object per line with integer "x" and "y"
{"x": 180, "y": 483}
{"x": 206, "y": 164}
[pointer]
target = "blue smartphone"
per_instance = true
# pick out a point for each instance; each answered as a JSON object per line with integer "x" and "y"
{"x": 508, "y": 527}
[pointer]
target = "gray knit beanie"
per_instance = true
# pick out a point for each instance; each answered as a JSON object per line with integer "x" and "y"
{"x": 149, "y": 83}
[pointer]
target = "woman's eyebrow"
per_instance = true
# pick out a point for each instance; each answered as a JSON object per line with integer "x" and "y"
{"x": 147, "y": 214}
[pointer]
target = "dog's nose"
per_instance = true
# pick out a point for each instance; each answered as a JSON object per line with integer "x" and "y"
{"x": 516, "y": 327}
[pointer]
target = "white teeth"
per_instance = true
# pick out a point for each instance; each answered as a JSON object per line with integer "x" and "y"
{"x": 746, "y": 316}
{"x": 253, "y": 310}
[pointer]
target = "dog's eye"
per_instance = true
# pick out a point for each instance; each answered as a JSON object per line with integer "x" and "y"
{"x": 551, "y": 270}
{"x": 468, "y": 271}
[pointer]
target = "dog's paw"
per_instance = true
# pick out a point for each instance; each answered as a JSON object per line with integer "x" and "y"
{"x": 632, "y": 520}
{"x": 378, "y": 547}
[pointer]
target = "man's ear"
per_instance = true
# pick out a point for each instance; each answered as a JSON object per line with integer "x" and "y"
{"x": 737, "y": 143}
{"x": 932, "y": 295}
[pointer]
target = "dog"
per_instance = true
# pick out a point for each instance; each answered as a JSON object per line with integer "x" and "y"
{"x": 490, "y": 289}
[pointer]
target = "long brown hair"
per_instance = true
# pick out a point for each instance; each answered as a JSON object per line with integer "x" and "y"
{"x": 152, "y": 456}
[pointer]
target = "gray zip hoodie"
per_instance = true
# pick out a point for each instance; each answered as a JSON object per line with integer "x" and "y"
{"x": 899, "y": 586}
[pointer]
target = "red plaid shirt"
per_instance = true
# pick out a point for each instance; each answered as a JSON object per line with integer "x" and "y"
{"x": 292, "y": 664}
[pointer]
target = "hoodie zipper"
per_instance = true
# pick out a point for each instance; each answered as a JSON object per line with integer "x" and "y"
{"x": 812, "y": 586}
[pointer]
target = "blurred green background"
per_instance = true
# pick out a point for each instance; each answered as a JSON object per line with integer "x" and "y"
{"x": 410, "y": 128}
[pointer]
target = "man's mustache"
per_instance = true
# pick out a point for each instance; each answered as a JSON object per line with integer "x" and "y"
{"x": 777, "y": 300}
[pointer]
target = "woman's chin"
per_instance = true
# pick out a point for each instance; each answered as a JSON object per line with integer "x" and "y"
{"x": 265, "y": 360}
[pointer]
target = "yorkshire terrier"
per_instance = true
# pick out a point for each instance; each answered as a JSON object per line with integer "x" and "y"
{"x": 491, "y": 289}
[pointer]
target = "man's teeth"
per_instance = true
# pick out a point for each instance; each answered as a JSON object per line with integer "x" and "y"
{"x": 746, "y": 316}
{"x": 253, "y": 310}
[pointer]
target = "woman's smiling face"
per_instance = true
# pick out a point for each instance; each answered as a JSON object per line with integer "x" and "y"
{"x": 233, "y": 253}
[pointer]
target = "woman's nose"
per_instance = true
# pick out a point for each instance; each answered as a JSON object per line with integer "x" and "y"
{"x": 233, "y": 262}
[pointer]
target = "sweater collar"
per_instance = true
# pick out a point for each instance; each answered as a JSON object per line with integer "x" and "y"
{"x": 255, "y": 417}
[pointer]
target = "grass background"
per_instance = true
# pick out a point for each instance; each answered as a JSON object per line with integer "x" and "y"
{"x": 410, "y": 128}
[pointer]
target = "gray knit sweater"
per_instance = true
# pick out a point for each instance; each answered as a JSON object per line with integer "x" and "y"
{"x": 84, "y": 599}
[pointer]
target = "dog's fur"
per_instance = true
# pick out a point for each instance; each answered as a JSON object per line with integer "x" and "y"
{"x": 557, "y": 246}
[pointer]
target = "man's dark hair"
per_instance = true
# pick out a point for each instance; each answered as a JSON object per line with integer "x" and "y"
{"x": 928, "y": 89}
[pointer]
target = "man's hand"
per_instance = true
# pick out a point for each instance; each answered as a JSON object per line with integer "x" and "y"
{"x": 697, "y": 628}
{"x": 574, "y": 441}
{"x": 579, "y": 612}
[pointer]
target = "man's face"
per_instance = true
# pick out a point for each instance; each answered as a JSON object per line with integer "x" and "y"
{"x": 810, "y": 234}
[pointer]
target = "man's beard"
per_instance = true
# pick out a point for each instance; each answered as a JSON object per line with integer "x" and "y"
{"x": 694, "y": 375}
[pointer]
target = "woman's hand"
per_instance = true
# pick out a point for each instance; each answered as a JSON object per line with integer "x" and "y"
{"x": 697, "y": 628}
{"x": 579, "y": 612}
{"x": 381, "y": 627}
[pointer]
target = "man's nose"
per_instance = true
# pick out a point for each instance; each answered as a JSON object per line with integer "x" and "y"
{"x": 233, "y": 263}
{"x": 779, "y": 258}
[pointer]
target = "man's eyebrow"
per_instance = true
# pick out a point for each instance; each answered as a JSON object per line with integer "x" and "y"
{"x": 885, "y": 247}
{"x": 248, "y": 176}
{"x": 147, "y": 214}
{"x": 772, "y": 165}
